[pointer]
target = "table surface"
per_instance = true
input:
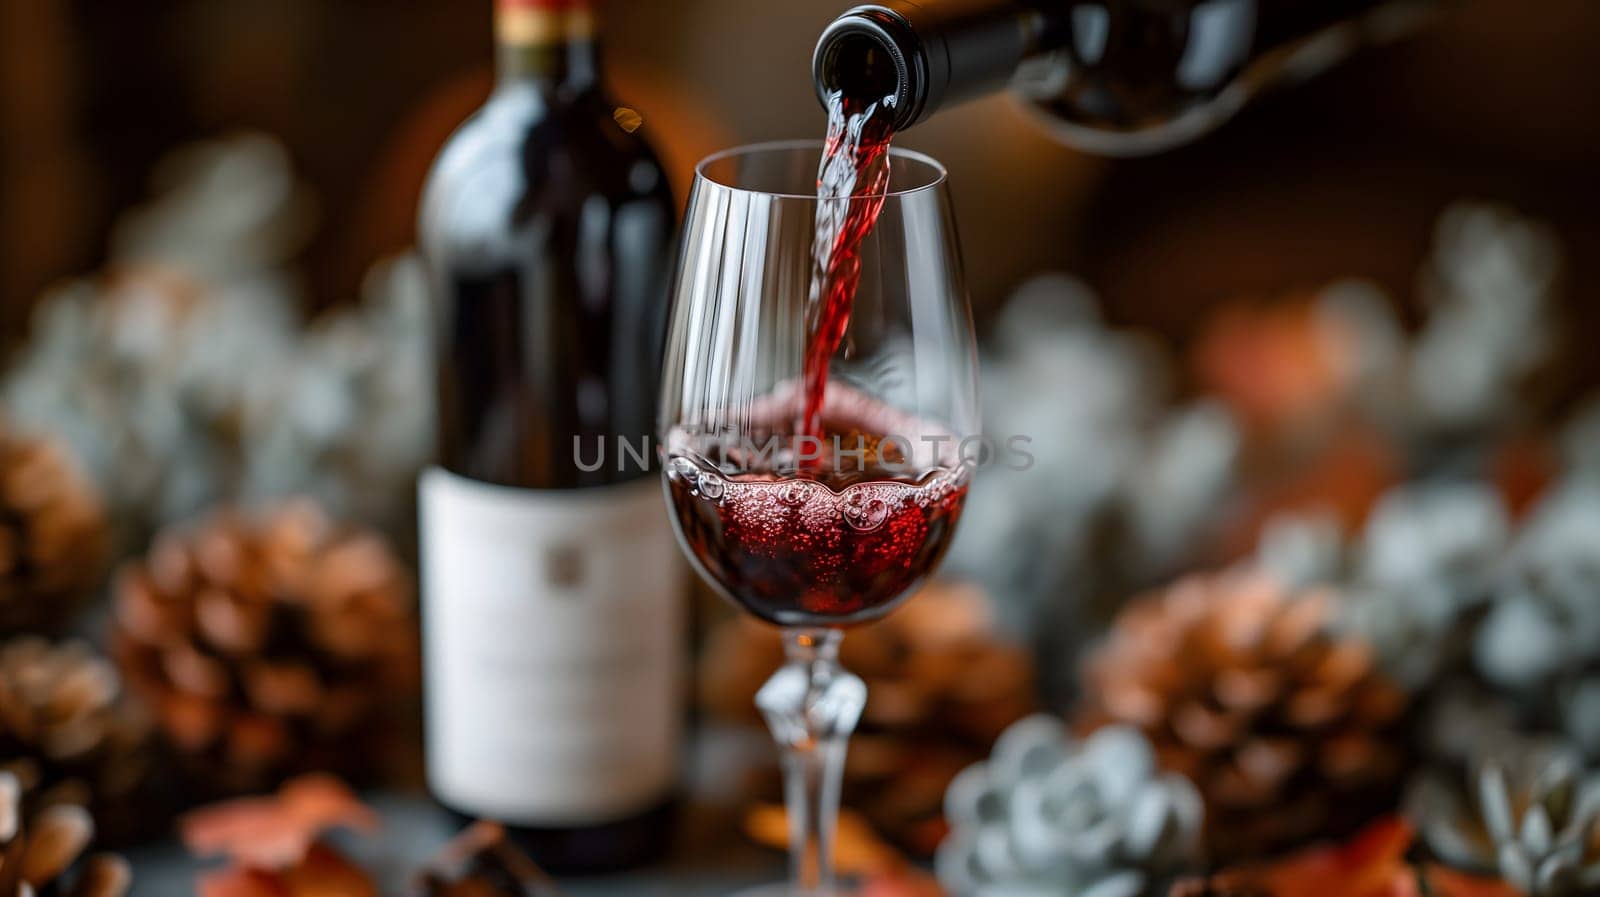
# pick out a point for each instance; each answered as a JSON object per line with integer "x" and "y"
{"x": 710, "y": 857}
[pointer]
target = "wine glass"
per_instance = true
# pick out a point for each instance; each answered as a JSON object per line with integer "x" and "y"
{"x": 822, "y": 516}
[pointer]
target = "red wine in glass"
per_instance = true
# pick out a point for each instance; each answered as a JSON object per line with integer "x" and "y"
{"x": 815, "y": 541}
{"x": 830, "y": 545}
{"x": 851, "y": 181}
{"x": 824, "y": 543}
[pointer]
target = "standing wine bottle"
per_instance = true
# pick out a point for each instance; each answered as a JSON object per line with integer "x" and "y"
{"x": 553, "y": 605}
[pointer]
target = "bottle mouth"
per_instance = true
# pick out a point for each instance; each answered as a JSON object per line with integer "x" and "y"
{"x": 872, "y": 52}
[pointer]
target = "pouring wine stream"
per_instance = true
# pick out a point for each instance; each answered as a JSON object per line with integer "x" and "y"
{"x": 851, "y": 181}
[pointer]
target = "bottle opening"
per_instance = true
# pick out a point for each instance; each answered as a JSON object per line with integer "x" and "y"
{"x": 860, "y": 65}
{"x": 869, "y": 53}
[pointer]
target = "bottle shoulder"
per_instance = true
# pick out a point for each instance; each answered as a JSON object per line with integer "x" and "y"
{"x": 521, "y": 128}
{"x": 526, "y": 156}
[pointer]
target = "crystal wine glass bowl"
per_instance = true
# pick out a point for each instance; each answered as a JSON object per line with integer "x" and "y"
{"x": 816, "y": 484}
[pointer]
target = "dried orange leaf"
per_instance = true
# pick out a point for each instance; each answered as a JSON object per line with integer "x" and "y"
{"x": 1372, "y": 865}
{"x": 275, "y": 832}
{"x": 238, "y": 882}
{"x": 908, "y": 884}
{"x": 326, "y": 873}
{"x": 322, "y": 873}
{"x": 321, "y": 800}
{"x": 1443, "y": 882}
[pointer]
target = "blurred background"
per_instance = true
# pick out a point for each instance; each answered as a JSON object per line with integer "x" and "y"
{"x": 1341, "y": 342}
{"x": 1342, "y": 176}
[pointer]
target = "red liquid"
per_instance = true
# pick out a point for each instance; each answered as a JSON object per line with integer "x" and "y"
{"x": 850, "y": 190}
{"x": 819, "y": 549}
{"x": 820, "y": 541}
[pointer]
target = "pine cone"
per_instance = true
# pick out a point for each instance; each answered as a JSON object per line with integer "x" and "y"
{"x": 69, "y": 735}
{"x": 268, "y": 645}
{"x": 481, "y": 862}
{"x": 1428, "y": 561}
{"x": 1046, "y": 815}
{"x": 1532, "y": 820}
{"x": 1580, "y": 713}
{"x": 1302, "y": 549}
{"x": 52, "y": 535}
{"x": 351, "y": 420}
{"x": 1543, "y": 625}
{"x": 1462, "y": 723}
{"x": 1449, "y": 534}
{"x": 38, "y": 850}
{"x": 941, "y": 685}
{"x": 1491, "y": 286}
{"x": 1243, "y": 688}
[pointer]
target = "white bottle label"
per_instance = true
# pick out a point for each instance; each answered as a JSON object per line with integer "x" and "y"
{"x": 553, "y": 632}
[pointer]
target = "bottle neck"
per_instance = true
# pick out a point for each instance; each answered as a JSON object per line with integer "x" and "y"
{"x": 921, "y": 56}
{"x": 551, "y": 44}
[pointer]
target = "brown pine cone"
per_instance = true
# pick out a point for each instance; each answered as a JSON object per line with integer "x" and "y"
{"x": 53, "y": 535}
{"x": 269, "y": 645}
{"x": 1287, "y": 729}
{"x": 37, "y": 851}
{"x": 941, "y": 685}
{"x": 69, "y": 735}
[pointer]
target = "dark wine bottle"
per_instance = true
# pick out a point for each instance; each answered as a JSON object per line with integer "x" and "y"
{"x": 1119, "y": 77}
{"x": 553, "y": 608}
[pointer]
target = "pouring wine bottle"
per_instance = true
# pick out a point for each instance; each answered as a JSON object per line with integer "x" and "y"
{"x": 1116, "y": 77}
{"x": 553, "y": 611}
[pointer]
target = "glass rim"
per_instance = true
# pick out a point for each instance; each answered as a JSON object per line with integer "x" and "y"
{"x": 940, "y": 174}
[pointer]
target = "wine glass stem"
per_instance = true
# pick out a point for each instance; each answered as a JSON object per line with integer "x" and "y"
{"x": 811, "y": 704}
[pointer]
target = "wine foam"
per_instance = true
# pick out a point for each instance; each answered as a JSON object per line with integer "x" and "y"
{"x": 766, "y": 502}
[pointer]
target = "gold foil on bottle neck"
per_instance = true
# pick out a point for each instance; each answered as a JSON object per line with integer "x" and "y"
{"x": 523, "y": 27}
